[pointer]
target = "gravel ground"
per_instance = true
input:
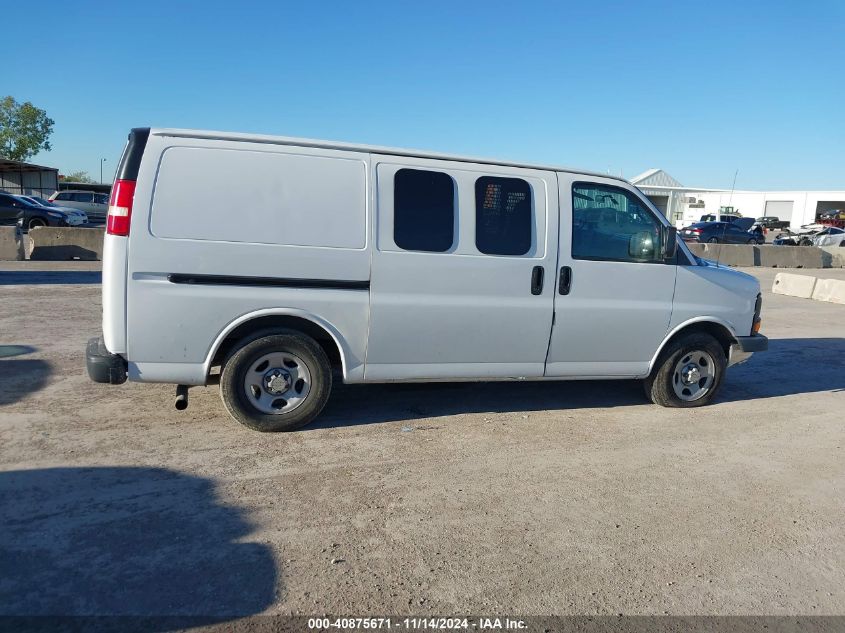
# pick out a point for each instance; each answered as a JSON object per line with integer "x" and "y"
{"x": 537, "y": 498}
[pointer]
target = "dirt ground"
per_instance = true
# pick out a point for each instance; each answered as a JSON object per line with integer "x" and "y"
{"x": 529, "y": 498}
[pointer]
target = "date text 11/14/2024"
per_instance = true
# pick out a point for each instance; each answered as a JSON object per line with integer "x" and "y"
{"x": 417, "y": 624}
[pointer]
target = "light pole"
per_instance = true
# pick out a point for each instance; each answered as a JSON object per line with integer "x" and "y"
{"x": 102, "y": 160}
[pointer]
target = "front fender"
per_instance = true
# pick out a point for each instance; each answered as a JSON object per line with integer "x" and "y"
{"x": 729, "y": 330}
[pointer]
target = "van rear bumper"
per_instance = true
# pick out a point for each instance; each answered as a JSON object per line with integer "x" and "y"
{"x": 102, "y": 365}
{"x": 745, "y": 346}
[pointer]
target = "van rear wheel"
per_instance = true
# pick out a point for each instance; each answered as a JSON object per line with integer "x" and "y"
{"x": 688, "y": 373}
{"x": 278, "y": 382}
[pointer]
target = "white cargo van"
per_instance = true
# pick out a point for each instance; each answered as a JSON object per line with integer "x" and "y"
{"x": 276, "y": 261}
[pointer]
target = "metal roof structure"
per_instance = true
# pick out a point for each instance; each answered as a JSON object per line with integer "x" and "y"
{"x": 655, "y": 177}
{"x": 20, "y": 166}
{"x": 354, "y": 147}
{"x": 19, "y": 177}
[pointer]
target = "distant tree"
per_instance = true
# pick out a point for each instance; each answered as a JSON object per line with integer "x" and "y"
{"x": 24, "y": 129}
{"x": 77, "y": 176}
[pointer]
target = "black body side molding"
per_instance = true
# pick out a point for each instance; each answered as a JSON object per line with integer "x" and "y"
{"x": 268, "y": 282}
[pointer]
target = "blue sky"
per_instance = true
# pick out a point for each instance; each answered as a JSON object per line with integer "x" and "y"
{"x": 700, "y": 89}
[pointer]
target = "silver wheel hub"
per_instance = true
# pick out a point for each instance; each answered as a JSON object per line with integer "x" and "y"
{"x": 690, "y": 374}
{"x": 694, "y": 375}
{"x": 277, "y": 383}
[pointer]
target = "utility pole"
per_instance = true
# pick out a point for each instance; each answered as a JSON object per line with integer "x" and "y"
{"x": 102, "y": 160}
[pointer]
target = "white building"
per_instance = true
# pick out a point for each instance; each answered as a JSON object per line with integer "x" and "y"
{"x": 685, "y": 205}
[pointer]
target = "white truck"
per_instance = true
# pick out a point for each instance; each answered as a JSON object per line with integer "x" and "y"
{"x": 268, "y": 263}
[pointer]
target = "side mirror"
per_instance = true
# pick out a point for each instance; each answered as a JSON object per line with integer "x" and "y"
{"x": 671, "y": 247}
{"x": 641, "y": 246}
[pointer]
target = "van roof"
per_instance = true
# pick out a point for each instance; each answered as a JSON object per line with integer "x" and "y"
{"x": 356, "y": 147}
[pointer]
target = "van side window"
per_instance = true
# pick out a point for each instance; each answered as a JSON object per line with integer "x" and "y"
{"x": 423, "y": 210}
{"x": 503, "y": 221}
{"x": 610, "y": 223}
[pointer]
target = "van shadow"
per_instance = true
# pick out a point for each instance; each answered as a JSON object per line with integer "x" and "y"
{"x": 368, "y": 404}
{"x": 126, "y": 541}
{"x": 20, "y": 377}
{"x": 789, "y": 367}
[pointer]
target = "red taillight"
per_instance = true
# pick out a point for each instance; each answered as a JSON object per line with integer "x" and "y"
{"x": 120, "y": 207}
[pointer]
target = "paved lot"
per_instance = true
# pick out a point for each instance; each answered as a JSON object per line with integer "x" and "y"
{"x": 465, "y": 498}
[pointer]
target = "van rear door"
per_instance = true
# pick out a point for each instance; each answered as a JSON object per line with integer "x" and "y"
{"x": 462, "y": 270}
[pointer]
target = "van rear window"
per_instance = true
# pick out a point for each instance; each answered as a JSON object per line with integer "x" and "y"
{"x": 423, "y": 210}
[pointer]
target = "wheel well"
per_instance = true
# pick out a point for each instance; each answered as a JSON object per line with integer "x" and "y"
{"x": 719, "y": 332}
{"x": 266, "y": 325}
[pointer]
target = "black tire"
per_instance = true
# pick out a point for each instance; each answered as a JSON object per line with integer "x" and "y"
{"x": 659, "y": 386}
{"x": 233, "y": 390}
{"x": 34, "y": 223}
{"x": 713, "y": 240}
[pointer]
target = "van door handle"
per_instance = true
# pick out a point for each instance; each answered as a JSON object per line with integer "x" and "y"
{"x": 565, "y": 280}
{"x": 537, "y": 280}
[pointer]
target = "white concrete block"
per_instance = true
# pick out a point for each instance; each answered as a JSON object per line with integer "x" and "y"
{"x": 11, "y": 243}
{"x": 794, "y": 285}
{"x": 832, "y": 290}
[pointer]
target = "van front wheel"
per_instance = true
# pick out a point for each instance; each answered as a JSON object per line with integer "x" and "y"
{"x": 279, "y": 382}
{"x": 688, "y": 372}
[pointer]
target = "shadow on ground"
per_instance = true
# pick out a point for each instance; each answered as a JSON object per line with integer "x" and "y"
{"x": 49, "y": 277}
{"x": 790, "y": 366}
{"x": 7, "y": 351}
{"x": 20, "y": 377}
{"x": 369, "y": 404}
{"x": 126, "y": 541}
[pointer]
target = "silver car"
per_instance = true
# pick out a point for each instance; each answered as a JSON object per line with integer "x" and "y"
{"x": 95, "y": 205}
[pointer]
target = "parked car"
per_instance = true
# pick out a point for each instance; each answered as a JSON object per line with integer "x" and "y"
{"x": 829, "y": 236}
{"x": 723, "y": 232}
{"x": 95, "y": 205}
{"x": 771, "y": 222}
{"x": 395, "y": 265}
{"x": 81, "y": 217}
{"x": 27, "y": 215}
{"x": 725, "y": 217}
{"x": 802, "y": 237}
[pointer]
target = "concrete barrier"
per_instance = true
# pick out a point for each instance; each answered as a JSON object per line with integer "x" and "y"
{"x": 794, "y": 285}
{"x": 832, "y": 290}
{"x": 11, "y": 243}
{"x": 765, "y": 255}
{"x": 792, "y": 256}
{"x": 834, "y": 256}
{"x": 728, "y": 254}
{"x": 66, "y": 243}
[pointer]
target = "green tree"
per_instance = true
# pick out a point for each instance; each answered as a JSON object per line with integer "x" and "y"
{"x": 78, "y": 176}
{"x": 24, "y": 129}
